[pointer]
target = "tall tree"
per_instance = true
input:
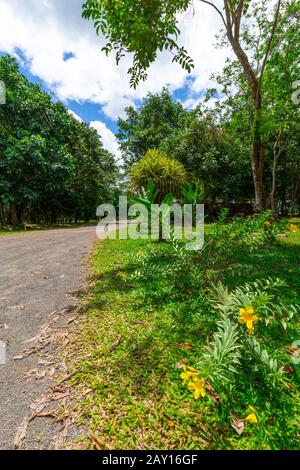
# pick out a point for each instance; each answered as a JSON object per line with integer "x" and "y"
{"x": 144, "y": 129}
{"x": 144, "y": 27}
{"x": 51, "y": 165}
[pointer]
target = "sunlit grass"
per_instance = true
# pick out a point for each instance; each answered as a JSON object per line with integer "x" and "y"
{"x": 136, "y": 336}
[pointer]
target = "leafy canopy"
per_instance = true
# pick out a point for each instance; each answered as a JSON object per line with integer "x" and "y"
{"x": 141, "y": 27}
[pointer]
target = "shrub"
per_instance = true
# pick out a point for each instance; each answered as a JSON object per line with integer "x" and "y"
{"x": 167, "y": 174}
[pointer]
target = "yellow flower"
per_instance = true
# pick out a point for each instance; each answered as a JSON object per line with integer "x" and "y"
{"x": 188, "y": 373}
{"x": 267, "y": 223}
{"x": 198, "y": 387}
{"x": 248, "y": 317}
{"x": 293, "y": 228}
{"x": 251, "y": 418}
{"x": 171, "y": 424}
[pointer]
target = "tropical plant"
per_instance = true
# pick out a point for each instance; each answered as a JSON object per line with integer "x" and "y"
{"x": 222, "y": 244}
{"x": 167, "y": 174}
{"x": 244, "y": 311}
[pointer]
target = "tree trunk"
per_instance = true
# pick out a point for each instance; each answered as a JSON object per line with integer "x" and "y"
{"x": 276, "y": 154}
{"x": 258, "y": 163}
{"x": 272, "y": 196}
{"x": 2, "y": 213}
{"x": 258, "y": 149}
{"x": 13, "y": 217}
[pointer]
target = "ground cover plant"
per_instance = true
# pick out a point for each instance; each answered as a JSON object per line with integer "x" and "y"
{"x": 177, "y": 355}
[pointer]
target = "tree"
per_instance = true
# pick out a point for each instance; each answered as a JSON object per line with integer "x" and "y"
{"x": 51, "y": 166}
{"x": 279, "y": 117}
{"x": 211, "y": 149}
{"x": 145, "y": 27}
{"x": 156, "y": 120}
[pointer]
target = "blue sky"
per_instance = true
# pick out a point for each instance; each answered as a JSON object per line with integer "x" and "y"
{"x": 58, "y": 49}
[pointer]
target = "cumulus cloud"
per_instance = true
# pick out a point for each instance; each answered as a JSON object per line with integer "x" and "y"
{"x": 45, "y": 30}
{"x": 109, "y": 140}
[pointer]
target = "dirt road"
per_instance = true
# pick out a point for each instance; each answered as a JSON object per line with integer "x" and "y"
{"x": 37, "y": 270}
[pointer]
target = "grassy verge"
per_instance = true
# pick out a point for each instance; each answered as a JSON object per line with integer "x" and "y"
{"x": 134, "y": 339}
{"x": 11, "y": 230}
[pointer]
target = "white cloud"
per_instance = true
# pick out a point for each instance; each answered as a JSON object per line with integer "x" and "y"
{"x": 108, "y": 138}
{"x": 46, "y": 29}
{"x": 75, "y": 115}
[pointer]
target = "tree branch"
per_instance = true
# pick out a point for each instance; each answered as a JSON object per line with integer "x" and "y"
{"x": 229, "y": 19}
{"x": 238, "y": 17}
{"x": 275, "y": 22}
{"x": 217, "y": 9}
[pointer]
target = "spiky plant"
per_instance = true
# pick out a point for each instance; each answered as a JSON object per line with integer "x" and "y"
{"x": 168, "y": 174}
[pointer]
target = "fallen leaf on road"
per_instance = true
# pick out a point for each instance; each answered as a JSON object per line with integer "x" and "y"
{"x": 31, "y": 350}
{"x": 39, "y": 336}
{"x": 20, "y": 307}
{"x": 98, "y": 443}
{"x": 61, "y": 437}
{"x": 51, "y": 373}
{"x": 50, "y": 414}
{"x": 36, "y": 408}
{"x": 36, "y": 374}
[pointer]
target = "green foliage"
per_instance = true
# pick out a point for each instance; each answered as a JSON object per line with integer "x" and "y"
{"x": 167, "y": 174}
{"x": 51, "y": 166}
{"x": 222, "y": 357}
{"x": 195, "y": 138}
{"x": 139, "y": 27}
{"x": 222, "y": 242}
{"x": 146, "y": 128}
{"x": 214, "y": 145}
{"x": 193, "y": 195}
{"x": 170, "y": 321}
{"x": 264, "y": 298}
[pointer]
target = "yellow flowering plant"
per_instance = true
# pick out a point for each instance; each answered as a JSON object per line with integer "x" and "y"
{"x": 252, "y": 417}
{"x": 188, "y": 373}
{"x": 222, "y": 359}
{"x": 190, "y": 377}
{"x": 197, "y": 386}
{"x": 248, "y": 317}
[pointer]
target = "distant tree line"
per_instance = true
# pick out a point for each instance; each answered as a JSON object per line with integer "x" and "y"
{"x": 52, "y": 166}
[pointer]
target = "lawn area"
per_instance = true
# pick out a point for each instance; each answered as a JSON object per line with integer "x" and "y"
{"x": 136, "y": 336}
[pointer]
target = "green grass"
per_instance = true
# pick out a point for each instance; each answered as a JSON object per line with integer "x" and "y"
{"x": 133, "y": 340}
{"x": 12, "y": 230}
